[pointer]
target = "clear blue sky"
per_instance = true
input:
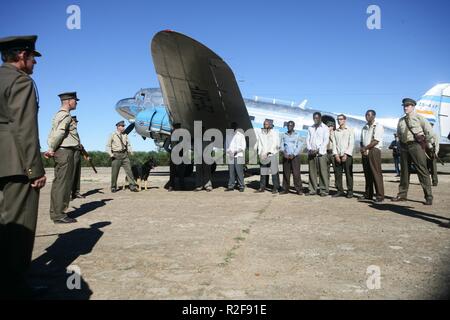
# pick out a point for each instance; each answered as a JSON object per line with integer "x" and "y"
{"x": 293, "y": 50}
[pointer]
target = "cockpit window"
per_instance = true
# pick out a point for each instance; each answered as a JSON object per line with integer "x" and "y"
{"x": 140, "y": 97}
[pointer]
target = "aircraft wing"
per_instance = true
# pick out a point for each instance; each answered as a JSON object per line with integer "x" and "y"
{"x": 197, "y": 84}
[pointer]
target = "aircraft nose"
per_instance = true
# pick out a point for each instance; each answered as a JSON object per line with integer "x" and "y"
{"x": 128, "y": 109}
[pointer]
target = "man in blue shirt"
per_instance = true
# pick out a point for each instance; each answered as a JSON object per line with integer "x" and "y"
{"x": 290, "y": 150}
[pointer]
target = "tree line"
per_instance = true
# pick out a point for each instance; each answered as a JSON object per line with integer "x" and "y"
{"x": 102, "y": 159}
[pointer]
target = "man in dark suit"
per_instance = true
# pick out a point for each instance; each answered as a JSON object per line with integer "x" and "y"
{"x": 22, "y": 172}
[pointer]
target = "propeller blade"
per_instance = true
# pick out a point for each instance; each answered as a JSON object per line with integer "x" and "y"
{"x": 129, "y": 128}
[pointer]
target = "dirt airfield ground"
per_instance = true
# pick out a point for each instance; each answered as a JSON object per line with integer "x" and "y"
{"x": 230, "y": 245}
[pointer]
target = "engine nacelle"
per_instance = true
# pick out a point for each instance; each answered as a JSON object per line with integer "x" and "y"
{"x": 154, "y": 123}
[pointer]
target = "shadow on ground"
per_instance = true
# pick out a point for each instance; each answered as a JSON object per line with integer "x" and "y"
{"x": 92, "y": 192}
{"x": 52, "y": 268}
{"x": 88, "y": 207}
{"x": 409, "y": 212}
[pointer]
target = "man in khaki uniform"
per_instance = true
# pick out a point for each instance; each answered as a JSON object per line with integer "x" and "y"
{"x": 118, "y": 148}
{"x": 432, "y": 163}
{"x": 414, "y": 131}
{"x": 22, "y": 173}
{"x": 76, "y": 164}
{"x": 63, "y": 141}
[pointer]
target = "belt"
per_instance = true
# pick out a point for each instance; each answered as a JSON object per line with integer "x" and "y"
{"x": 70, "y": 148}
{"x": 121, "y": 151}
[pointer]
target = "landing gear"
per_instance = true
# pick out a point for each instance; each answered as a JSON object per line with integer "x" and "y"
{"x": 189, "y": 169}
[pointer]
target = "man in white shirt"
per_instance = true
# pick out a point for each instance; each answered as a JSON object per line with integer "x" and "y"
{"x": 371, "y": 143}
{"x": 268, "y": 147}
{"x": 344, "y": 143}
{"x": 235, "y": 146}
{"x": 316, "y": 144}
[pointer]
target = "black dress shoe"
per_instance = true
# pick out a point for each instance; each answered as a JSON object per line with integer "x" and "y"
{"x": 77, "y": 196}
{"x": 65, "y": 220}
{"x": 349, "y": 195}
{"x": 300, "y": 193}
{"x": 284, "y": 192}
{"x": 229, "y": 189}
{"x": 274, "y": 191}
{"x": 338, "y": 194}
{"x": 323, "y": 194}
{"x": 134, "y": 189}
{"x": 310, "y": 194}
{"x": 363, "y": 198}
{"x": 113, "y": 190}
{"x": 398, "y": 199}
{"x": 260, "y": 191}
{"x": 378, "y": 200}
{"x": 428, "y": 202}
{"x": 241, "y": 190}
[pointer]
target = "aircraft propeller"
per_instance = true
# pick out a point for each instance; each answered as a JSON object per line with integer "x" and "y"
{"x": 129, "y": 128}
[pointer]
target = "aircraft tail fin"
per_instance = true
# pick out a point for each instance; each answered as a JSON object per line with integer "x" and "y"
{"x": 303, "y": 104}
{"x": 435, "y": 106}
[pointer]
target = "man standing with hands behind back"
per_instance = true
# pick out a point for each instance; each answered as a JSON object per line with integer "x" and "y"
{"x": 371, "y": 143}
{"x": 235, "y": 146}
{"x": 316, "y": 143}
{"x": 290, "y": 149}
{"x": 344, "y": 143}
{"x": 63, "y": 141}
{"x": 268, "y": 147}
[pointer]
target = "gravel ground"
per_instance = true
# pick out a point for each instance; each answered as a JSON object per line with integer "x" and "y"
{"x": 230, "y": 245}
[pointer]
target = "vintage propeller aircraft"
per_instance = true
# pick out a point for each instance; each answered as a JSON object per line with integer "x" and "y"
{"x": 196, "y": 84}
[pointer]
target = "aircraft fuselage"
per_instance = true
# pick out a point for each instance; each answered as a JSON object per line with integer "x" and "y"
{"x": 152, "y": 119}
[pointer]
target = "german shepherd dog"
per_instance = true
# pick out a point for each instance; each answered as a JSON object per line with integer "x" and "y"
{"x": 141, "y": 172}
